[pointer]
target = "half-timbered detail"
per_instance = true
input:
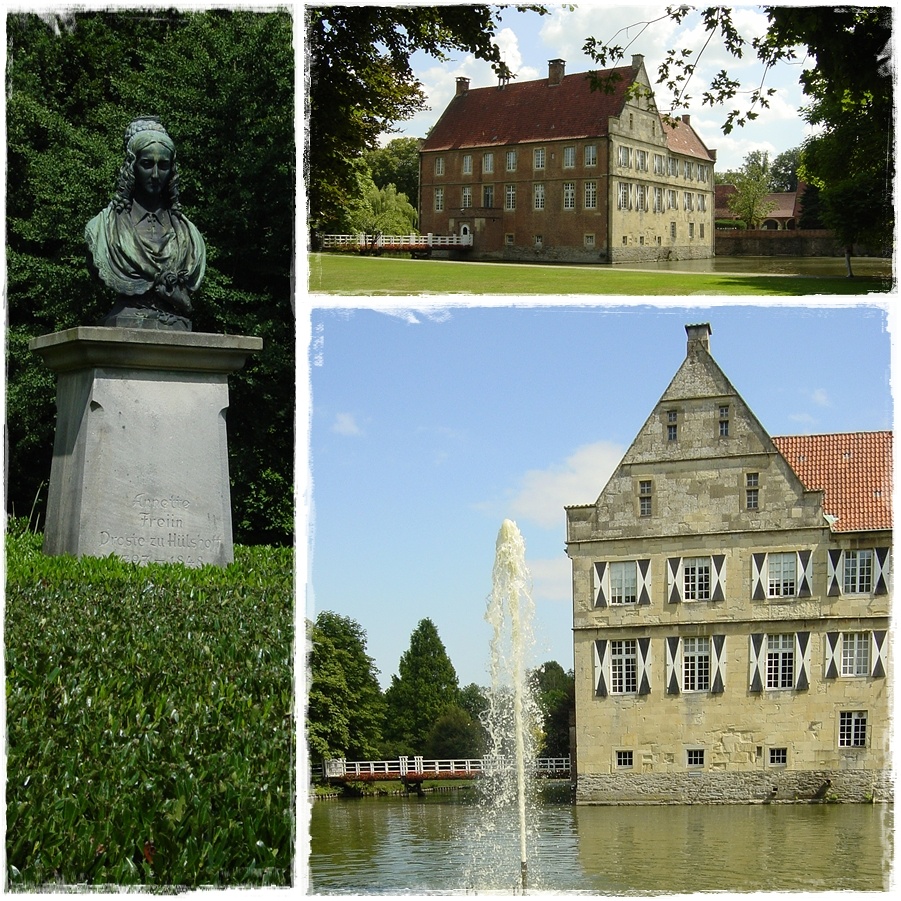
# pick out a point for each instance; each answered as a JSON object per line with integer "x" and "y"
{"x": 756, "y": 571}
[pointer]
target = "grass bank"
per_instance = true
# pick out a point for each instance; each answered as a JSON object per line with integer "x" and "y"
{"x": 356, "y": 275}
{"x": 150, "y": 720}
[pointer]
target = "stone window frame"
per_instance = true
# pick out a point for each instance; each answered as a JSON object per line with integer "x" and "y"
{"x": 725, "y": 412}
{"x": 853, "y": 729}
{"x": 833, "y": 645}
{"x": 695, "y": 758}
{"x": 624, "y": 758}
{"x": 509, "y": 239}
{"x": 752, "y": 490}
{"x": 644, "y": 495}
{"x": 511, "y": 156}
{"x": 761, "y": 578}
{"x": 589, "y": 239}
{"x": 510, "y": 197}
{"x": 569, "y": 157}
{"x": 539, "y": 158}
{"x": 569, "y": 195}
{"x": 590, "y": 195}
{"x": 539, "y": 196}
{"x": 762, "y": 655}
{"x": 467, "y": 164}
{"x": 777, "y": 757}
{"x": 603, "y": 586}
{"x": 696, "y": 663}
{"x": 488, "y": 163}
{"x": 611, "y": 672}
{"x": 674, "y": 664}
{"x": 466, "y": 197}
{"x": 439, "y": 165}
{"x": 439, "y": 199}
{"x": 488, "y": 197}
{"x": 590, "y": 154}
{"x": 880, "y": 582}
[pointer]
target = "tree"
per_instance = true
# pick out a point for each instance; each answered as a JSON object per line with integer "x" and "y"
{"x": 385, "y": 212}
{"x": 752, "y": 184}
{"x": 397, "y": 163}
{"x": 361, "y": 82}
{"x": 223, "y": 83}
{"x": 345, "y": 707}
{"x": 455, "y": 735}
{"x": 784, "y": 170}
{"x": 555, "y": 693}
{"x": 423, "y": 689}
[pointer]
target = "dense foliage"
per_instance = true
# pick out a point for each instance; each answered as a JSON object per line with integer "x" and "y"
{"x": 361, "y": 84}
{"x": 752, "y": 184}
{"x": 223, "y": 84}
{"x": 150, "y": 720}
{"x": 345, "y": 708}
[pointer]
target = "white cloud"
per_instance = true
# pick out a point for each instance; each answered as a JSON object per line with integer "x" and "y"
{"x": 821, "y": 398}
{"x": 543, "y": 493}
{"x": 551, "y": 579}
{"x": 346, "y": 424}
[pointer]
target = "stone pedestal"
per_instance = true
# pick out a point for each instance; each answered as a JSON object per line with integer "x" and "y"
{"x": 140, "y": 460}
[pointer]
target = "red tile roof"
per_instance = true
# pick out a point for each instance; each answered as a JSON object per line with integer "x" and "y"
{"x": 682, "y": 138}
{"x": 852, "y": 469}
{"x": 534, "y": 111}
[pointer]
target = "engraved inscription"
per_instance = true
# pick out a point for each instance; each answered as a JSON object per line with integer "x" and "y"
{"x": 161, "y": 532}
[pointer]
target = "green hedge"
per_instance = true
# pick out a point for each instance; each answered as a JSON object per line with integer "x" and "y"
{"x": 150, "y": 733}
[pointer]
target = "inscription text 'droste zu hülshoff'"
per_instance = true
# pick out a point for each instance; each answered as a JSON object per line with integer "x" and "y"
{"x": 164, "y": 531}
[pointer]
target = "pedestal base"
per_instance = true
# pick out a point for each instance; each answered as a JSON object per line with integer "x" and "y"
{"x": 140, "y": 459}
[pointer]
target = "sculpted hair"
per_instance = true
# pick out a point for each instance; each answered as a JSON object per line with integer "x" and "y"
{"x": 125, "y": 185}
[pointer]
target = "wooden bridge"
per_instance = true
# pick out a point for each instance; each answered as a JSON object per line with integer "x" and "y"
{"x": 417, "y": 245}
{"x": 413, "y": 770}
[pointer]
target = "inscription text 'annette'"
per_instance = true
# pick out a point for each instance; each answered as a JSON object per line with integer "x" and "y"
{"x": 149, "y": 502}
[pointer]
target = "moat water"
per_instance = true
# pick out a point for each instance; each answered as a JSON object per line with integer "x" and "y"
{"x": 424, "y": 845}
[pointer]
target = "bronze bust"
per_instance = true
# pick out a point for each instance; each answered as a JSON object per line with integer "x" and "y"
{"x": 142, "y": 245}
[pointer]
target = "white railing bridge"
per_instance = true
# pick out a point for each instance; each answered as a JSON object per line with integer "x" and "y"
{"x": 418, "y": 245}
{"x": 416, "y": 769}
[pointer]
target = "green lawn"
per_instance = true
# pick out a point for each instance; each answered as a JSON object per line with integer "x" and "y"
{"x": 353, "y": 275}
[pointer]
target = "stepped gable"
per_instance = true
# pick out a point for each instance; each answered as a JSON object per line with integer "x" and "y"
{"x": 530, "y": 111}
{"x": 852, "y": 469}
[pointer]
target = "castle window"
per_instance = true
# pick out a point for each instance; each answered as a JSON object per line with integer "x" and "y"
{"x": 439, "y": 199}
{"x": 539, "y": 196}
{"x": 856, "y": 653}
{"x": 672, "y": 419}
{"x": 623, "y": 759}
{"x": 641, "y": 160}
{"x": 591, "y": 195}
{"x": 782, "y": 575}
{"x": 641, "y": 197}
{"x": 510, "y": 197}
{"x": 509, "y": 239}
{"x": 569, "y": 157}
{"x": 752, "y": 491}
{"x": 589, "y": 240}
{"x": 780, "y": 661}
{"x": 467, "y": 164}
{"x": 695, "y": 757}
{"x": 852, "y": 729}
{"x": 591, "y": 154}
{"x": 466, "y": 201}
{"x": 691, "y": 230}
{"x": 672, "y": 230}
{"x": 696, "y": 579}
{"x": 778, "y": 756}
{"x": 672, "y": 166}
{"x": 625, "y": 195}
{"x": 487, "y": 162}
{"x": 696, "y": 664}
{"x": 488, "y": 196}
{"x": 659, "y": 164}
{"x": 858, "y": 572}
{"x": 569, "y": 195}
{"x": 539, "y": 240}
{"x": 658, "y": 200}
{"x": 511, "y": 160}
{"x": 624, "y": 582}
{"x": 624, "y": 666}
{"x": 439, "y": 165}
{"x": 624, "y": 156}
{"x": 781, "y": 580}
{"x": 702, "y": 203}
{"x": 538, "y": 156}
{"x": 724, "y": 418}
{"x": 645, "y": 497}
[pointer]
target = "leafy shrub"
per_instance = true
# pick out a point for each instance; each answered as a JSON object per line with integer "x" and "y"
{"x": 150, "y": 719}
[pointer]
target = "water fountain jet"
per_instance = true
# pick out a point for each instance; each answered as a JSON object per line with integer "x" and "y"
{"x": 511, "y": 711}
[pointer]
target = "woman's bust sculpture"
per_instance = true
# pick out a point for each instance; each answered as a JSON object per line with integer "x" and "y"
{"x": 142, "y": 245}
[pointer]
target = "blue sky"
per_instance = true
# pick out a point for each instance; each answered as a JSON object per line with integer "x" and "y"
{"x": 528, "y": 41}
{"x": 429, "y": 427}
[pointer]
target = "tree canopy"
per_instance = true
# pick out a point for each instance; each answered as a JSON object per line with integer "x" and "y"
{"x": 752, "y": 184}
{"x": 222, "y": 82}
{"x": 362, "y": 84}
{"x": 422, "y": 691}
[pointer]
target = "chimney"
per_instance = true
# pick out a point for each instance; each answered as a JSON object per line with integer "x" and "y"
{"x": 462, "y": 85}
{"x": 637, "y": 60}
{"x": 686, "y": 118}
{"x": 698, "y": 336}
{"x": 555, "y": 70}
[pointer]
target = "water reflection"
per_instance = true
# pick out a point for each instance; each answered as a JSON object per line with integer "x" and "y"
{"x": 424, "y": 846}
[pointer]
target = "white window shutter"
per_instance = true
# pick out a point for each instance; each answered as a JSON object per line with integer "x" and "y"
{"x": 882, "y": 561}
{"x": 833, "y": 655}
{"x": 805, "y": 574}
{"x": 644, "y": 582}
{"x": 877, "y": 654}
{"x": 757, "y": 660}
{"x": 717, "y": 664}
{"x": 601, "y": 667}
{"x": 673, "y": 645}
{"x": 718, "y": 577}
{"x": 758, "y": 577}
{"x": 802, "y": 661}
{"x": 834, "y": 563}
{"x": 674, "y": 580}
{"x": 601, "y": 584}
{"x": 643, "y": 648}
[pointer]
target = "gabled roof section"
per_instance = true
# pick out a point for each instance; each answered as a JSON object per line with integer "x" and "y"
{"x": 852, "y": 469}
{"x": 530, "y": 111}
{"x": 682, "y": 138}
